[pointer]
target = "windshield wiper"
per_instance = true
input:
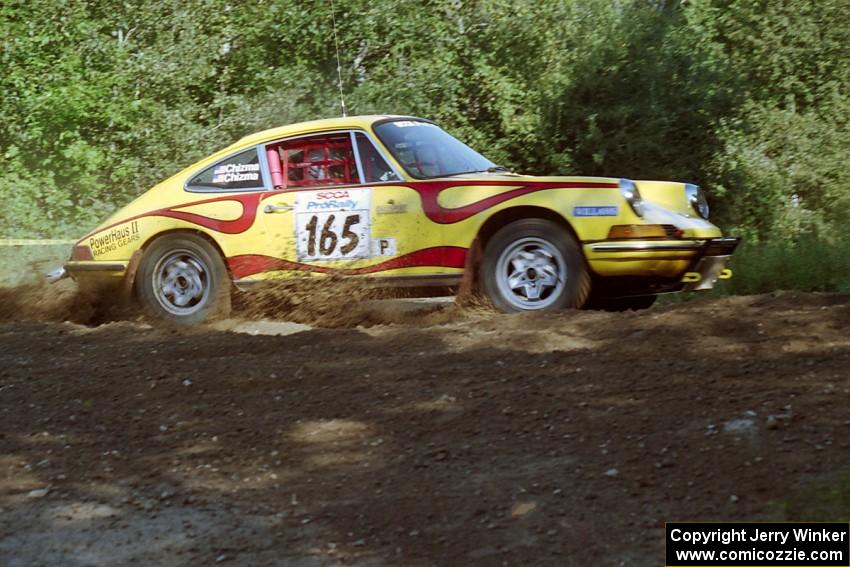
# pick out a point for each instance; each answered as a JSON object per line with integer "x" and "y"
{"x": 491, "y": 169}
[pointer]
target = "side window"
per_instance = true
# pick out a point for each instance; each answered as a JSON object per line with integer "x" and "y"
{"x": 375, "y": 167}
{"x": 241, "y": 171}
{"x": 313, "y": 161}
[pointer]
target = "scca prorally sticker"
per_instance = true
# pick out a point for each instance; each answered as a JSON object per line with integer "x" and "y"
{"x": 236, "y": 172}
{"x": 117, "y": 237}
{"x": 607, "y": 211}
{"x": 333, "y": 224}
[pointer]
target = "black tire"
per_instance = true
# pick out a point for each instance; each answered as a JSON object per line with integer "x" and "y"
{"x": 544, "y": 245}
{"x": 183, "y": 268}
{"x": 636, "y": 303}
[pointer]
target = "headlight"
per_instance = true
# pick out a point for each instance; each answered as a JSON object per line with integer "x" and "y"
{"x": 697, "y": 200}
{"x": 630, "y": 193}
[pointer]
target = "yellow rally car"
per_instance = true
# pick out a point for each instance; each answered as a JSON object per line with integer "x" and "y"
{"x": 399, "y": 201}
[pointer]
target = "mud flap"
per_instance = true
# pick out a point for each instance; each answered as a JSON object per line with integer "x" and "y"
{"x": 706, "y": 273}
{"x": 468, "y": 285}
{"x": 130, "y": 276}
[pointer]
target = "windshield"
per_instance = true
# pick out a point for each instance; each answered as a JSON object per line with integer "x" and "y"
{"x": 426, "y": 151}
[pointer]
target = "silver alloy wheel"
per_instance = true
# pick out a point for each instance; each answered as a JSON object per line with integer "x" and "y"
{"x": 531, "y": 273}
{"x": 181, "y": 282}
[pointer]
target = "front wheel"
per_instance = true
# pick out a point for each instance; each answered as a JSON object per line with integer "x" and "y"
{"x": 534, "y": 265}
{"x": 182, "y": 279}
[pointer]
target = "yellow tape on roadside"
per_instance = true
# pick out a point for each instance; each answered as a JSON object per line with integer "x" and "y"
{"x": 33, "y": 242}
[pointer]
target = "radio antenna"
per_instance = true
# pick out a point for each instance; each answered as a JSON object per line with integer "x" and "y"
{"x": 338, "y": 65}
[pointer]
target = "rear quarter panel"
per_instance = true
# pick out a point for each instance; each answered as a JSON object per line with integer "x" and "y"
{"x": 225, "y": 217}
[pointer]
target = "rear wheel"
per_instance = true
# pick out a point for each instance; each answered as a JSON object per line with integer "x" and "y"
{"x": 182, "y": 279}
{"x": 534, "y": 265}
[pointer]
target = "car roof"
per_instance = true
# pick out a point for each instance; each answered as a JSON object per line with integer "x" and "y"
{"x": 340, "y": 123}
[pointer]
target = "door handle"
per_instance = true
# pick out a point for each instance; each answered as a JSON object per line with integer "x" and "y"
{"x": 277, "y": 208}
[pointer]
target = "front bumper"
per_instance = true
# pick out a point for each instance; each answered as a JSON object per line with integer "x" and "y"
{"x": 723, "y": 246}
{"x": 658, "y": 266}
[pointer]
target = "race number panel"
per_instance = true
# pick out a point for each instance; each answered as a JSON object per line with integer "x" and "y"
{"x": 333, "y": 224}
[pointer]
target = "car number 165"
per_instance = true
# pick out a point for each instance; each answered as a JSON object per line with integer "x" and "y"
{"x": 339, "y": 235}
{"x": 333, "y": 224}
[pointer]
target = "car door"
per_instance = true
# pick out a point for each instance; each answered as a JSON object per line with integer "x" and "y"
{"x": 404, "y": 241}
{"x": 338, "y": 207}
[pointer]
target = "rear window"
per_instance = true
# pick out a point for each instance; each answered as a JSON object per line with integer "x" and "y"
{"x": 240, "y": 171}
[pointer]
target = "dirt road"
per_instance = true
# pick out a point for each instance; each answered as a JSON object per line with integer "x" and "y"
{"x": 442, "y": 438}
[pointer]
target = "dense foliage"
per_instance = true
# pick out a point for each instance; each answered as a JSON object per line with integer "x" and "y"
{"x": 749, "y": 98}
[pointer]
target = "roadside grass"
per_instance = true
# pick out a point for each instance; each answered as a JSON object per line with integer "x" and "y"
{"x": 30, "y": 263}
{"x": 809, "y": 263}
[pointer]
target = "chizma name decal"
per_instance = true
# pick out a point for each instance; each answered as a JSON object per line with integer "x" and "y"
{"x": 236, "y": 172}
